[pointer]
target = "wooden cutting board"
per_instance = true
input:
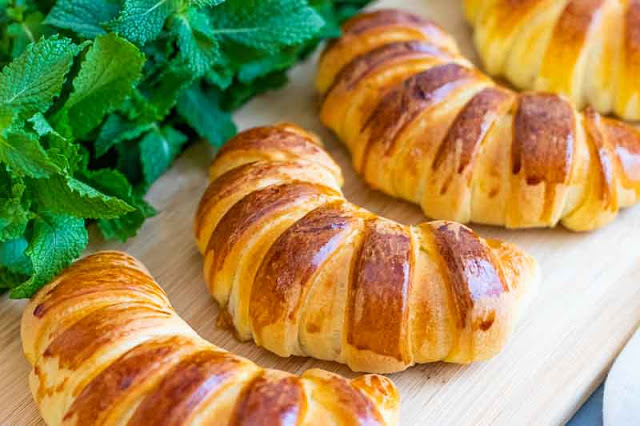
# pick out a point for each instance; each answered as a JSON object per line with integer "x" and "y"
{"x": 586, "y": 309}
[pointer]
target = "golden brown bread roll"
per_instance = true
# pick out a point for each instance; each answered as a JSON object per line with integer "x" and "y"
{"x": 588, "y": 50}
{"x": 300, "y": 270}
{"x": 107, "y": 348}
{"x": 424, "y": 125}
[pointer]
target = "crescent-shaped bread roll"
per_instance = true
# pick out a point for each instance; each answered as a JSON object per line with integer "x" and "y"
{"x": 588, "y": 50}
{"x": 301, "y": 271}
{"x": 424, "y": 125}
{"x": 107, "y": 348}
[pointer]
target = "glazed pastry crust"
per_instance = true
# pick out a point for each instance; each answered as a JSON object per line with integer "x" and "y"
{"x": 424, "y": 125}
{"x": 107, "y": 348}
{"x": 588, "y": 50}
{"x": 301, "y": 271}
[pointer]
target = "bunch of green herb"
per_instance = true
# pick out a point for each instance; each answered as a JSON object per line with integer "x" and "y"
{"x": 98, "y": 97}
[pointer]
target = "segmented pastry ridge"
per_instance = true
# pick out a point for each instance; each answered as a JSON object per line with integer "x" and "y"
{"x": 107, "y": 348}
{"x": 588, "y": 50}
{"x": 301, "y": 271}
{"x": 424, "y": 125}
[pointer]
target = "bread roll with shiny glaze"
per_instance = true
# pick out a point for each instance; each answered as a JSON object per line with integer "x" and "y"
{"x": 424, "y": 125}
{"x": 588, "y": 50}
{"x": 301, "y": 271}
{"x": 107, "y": 348}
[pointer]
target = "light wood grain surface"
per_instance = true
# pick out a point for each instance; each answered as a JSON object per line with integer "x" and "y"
{"x": 586, "y": 309}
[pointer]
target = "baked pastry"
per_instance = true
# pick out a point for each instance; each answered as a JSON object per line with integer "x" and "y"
{"x": 588, "y": 50}
{"x": 424, "y": 125}
{"x": 301, "y": 271}
{"x": 107, "y": 348}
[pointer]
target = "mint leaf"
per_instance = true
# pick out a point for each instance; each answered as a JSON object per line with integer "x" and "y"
{"x": 65, "y": 154}
{"x": 14, "y": 209}
{"x": 240, "y": 92}
{"x": 164, "y": 94}
{"x": 41, "y": 125}
{"x": 25, "y": 32}
{"x": 201, "y": 110}
{"x": 13, "y": 257}
{"x": 252, "y": 70}
{"x": 22, "y": 153}
{"x": 141, "y": 21}
{"x": 107, "y": 75}
{"x": 9, "y": 279}
{"x": 196, "y": 40}
{"x": 61, "y": 151}
{"x": 128, "y": 161}
{"x": 220, "y": 75}
{"x": 205, "y": 3}
{"x": 127, "y": 226}
{"x": 31, "y": 82}
{"x": 115, "y": 130}
{"x": 328, "y": 11}
{"x": 158, "y": 149}
{"x": 7, "y": 117}
{"x": 69, "y": 196}
{"x": 109, "y": 181}
{"x": 345, "y": 9}
{"x": 154, "y": 100}
{"x": 56, "y": 241}
{"x": 137, "y": 107}
{"x": 84, "y": 17}
{"x": 267, "y": 25}
{"x": 114, "y": 183}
